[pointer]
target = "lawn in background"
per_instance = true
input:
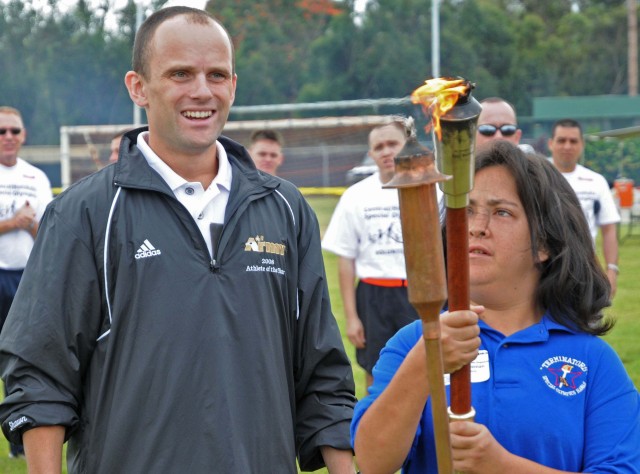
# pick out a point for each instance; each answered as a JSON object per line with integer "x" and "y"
{"x": 624, "y": 337}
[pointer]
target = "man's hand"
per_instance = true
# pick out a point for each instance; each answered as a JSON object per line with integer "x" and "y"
{"x": 24, "y": 218}
{"x": 612, "y": 275}
{"x": 610, "y": 253}
{"x": 355, "y": 332}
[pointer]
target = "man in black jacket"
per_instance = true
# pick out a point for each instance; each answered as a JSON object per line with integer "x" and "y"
{"x": 174, "y": 316}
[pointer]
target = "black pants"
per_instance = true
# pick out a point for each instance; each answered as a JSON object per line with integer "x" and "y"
{"x": 383, "y": 312}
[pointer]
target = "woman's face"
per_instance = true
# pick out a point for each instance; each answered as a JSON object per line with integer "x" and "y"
{"x": 500, "y": 260}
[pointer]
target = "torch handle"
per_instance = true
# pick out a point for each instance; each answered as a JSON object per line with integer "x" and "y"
{"x": 427, "y": 293}
{"x": 435, "y": 375}
{"x": 458, "y": 290}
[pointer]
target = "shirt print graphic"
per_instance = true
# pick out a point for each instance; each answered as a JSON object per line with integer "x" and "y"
{"x": 564, "y": 375}
{"x": 383, "y": 228}
{"x": 13, "y": 196}
{"x": 267, "y": 255}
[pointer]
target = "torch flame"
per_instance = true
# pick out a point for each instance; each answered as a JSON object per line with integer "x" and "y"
{"x": 439, "y": 95}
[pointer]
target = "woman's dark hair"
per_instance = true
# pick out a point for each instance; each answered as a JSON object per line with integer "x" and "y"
{"x": 573, "y": 287}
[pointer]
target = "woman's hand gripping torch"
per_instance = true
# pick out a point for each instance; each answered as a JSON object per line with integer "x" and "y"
{"x": 415, "y": 178}
{"x": 455, "y": 116}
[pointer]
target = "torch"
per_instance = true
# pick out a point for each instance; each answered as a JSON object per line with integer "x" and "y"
{"x": 415, "y": 178}
{"x": 455, "y": 115}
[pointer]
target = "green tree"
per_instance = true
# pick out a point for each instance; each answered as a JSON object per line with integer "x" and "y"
{"x": 66, "y": 69}
{"x": 272, "y": 40}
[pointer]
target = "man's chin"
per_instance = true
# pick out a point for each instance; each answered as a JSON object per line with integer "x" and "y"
{"x": 200, "y": 141}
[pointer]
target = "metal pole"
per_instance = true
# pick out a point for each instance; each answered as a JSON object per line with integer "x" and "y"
{"x": 137, "y": 112}
{"x": 65, "y": 158}
{"x": 325, "y": 166}
{"x": 632, "y": 13}
{"x": 435, "y": 38}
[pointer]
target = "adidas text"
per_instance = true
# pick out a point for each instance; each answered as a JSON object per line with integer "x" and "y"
{"x": 147, "y": 253}
{"x": 147, "y": 250}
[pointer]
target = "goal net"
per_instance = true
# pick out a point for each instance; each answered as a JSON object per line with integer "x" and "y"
{"x": 318, "y": 151}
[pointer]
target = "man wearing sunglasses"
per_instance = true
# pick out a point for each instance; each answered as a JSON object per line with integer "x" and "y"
{"x": 497, "y": 121}
{"x": 24, "y": 193}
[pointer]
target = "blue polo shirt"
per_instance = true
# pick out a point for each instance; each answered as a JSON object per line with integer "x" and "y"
{"x": 549, "y": 394}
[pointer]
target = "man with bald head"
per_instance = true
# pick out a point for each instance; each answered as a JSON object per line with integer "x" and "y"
{"x": 497, "y": 121}
{"x": 174, "y": 316}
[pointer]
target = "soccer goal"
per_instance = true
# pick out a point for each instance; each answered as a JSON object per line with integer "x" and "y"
{"x": 319, "y": 152}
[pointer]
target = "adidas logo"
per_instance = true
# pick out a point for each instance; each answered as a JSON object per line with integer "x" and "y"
{"x": 147, "y": 250}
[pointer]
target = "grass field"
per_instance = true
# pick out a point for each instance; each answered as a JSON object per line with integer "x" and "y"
{"x": 624, "y": 337}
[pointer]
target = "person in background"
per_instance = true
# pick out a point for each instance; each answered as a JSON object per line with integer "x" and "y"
{"x": 366, "y": 234}
{"x": 549, "y": 394}
{"x": 567, "y": 147}
{"x": 25, "y": 192}
{"x": 266, "y": 150}
{"x": 174, "y": 315}
{"x": 115, "y": 145}
{"x": 497, "y": 121}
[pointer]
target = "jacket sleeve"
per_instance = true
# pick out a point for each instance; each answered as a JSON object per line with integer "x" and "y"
{"x": 51, "y": 330}
{"x": 325, "y": 391}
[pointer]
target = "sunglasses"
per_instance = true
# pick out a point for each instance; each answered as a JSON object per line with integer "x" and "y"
{"x": 490, "y": 130}
{"x": 13, "y": 131}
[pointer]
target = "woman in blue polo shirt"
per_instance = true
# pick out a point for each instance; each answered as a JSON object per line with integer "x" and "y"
{"x": 550, "y": 395}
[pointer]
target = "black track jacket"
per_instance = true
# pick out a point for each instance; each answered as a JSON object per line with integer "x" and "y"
{"x": 158, "y": 358}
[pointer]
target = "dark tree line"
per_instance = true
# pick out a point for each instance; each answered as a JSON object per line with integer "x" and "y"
{"x": 67, "y": 68}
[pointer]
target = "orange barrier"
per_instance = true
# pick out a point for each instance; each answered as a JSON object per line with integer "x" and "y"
{"x": 624, "y": 189}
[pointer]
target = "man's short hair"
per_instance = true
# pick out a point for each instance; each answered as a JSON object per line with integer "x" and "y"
{"x": 498, "y": 100}
{"x": 566, "y": 123}
{"x": 267, "y": 134}
{"x": 5, "y": 109}
{"x": 403, "y": 124}
{"x": 144, "y": 36}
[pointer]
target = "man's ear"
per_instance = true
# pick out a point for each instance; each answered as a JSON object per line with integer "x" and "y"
{"x": 518, "y": 135}
{"x": 136, "y": 88}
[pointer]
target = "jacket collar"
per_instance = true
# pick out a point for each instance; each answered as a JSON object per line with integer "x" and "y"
{"x": 133, "y": 171}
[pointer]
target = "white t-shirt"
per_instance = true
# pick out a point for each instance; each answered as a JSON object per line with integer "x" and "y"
{"x": 365, "y": 226}
{"x": 20, "y": 183}
{"x": 591, "y": 187}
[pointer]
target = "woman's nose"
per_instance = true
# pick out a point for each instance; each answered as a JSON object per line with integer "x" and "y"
{"x": 478, "y": 221}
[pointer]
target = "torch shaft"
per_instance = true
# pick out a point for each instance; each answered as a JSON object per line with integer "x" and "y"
{"x": 427, "y": 292}
{"x": 435, "y": 376}
{"x": 458, "y": 290}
